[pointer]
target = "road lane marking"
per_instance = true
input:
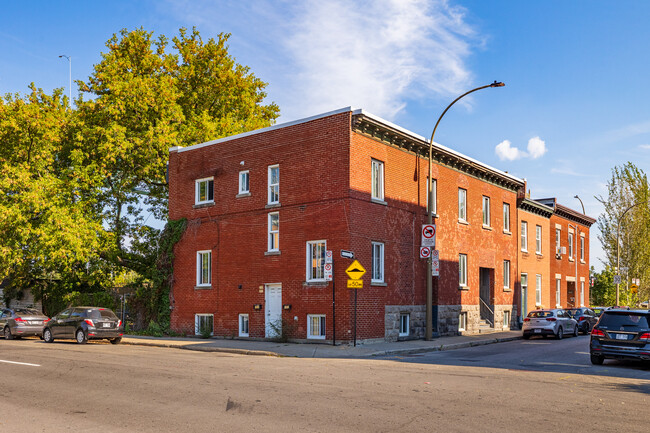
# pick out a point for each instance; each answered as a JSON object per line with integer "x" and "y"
{"x": 20, "y": 363}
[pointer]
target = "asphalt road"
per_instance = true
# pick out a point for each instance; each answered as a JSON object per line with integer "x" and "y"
{"x": 68, "y": 387}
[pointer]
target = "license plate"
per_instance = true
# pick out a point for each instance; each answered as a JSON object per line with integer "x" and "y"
{"x": 35, "y": 322}
{"x": 106, "y": 325}
{"x": 538, "y": 331}
{"x": 621, "y": 336}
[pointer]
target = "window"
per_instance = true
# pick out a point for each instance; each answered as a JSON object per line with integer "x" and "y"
{"x": 203, "y": 323}
{"x": 244, "y": 183}
{"x": 462, "y": 270}
{"x": 538, "y": 289}
{"x": 506, "y": 319}
{"x": 582, "y": 248}
{"x": 274, "y": 184}
{"x": 524, "y": 284}
{"x": 486, "y": 211}
{"x": 506, "y": 217}
{"x": 404, "y": 324}
{"x": 570, "y": 245}
{"x": 434, "y": 193}
{"x": 243, "y": 325}
{"x": 558, "y": 233}
{"x": 462, "y": 321}
{"x": 558, "y": 283}
{"x": 582, "y": 293}
{"x": 203, "y": 268}
{"x": 377, "y": 262}
{"x": 506, "y": 274}
{"x": 377, "y": 180}
{"x": 316, "y": 260}
{"x": 538, "y": 239}
{"x": 274, "y": 231}
{"x": 462, "y": 204}
{"x": 524, "y": 236}
{"x": 316, "y": 326}
{"x": 204, "y": 191}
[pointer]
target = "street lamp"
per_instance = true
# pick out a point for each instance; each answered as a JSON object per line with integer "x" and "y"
{"x": 618, "y": 232}
{"x": 581, "y": 203}
{"x": 429, "y": 320}
{"x": 69, "y": 77}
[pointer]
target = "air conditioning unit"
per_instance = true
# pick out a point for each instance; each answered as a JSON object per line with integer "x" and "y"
{"x": 563, "y": 250}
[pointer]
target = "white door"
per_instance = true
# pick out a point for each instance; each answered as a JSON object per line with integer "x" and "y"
{"x": 273, "y": 302}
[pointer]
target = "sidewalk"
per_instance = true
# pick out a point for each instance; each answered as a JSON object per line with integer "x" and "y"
{"x": 316, "y": 350}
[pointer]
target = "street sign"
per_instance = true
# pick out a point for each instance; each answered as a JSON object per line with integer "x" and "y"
{"x": 355, "y": 271}
{"x": 428, "y": 235}
{"x": 328, "y": 256}
{"x": 634, "y": 288}
{"x": 347, "y": 254}
{"x": 617, "y": 279}
{"x": 355, "y": 284}
{"x": 435, "y": 263}
{"x": 328, "y": 272}
{"x": 425, "y": 252}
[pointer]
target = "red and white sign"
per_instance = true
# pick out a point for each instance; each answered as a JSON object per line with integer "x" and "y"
{"x": 428, "y": 235}
{"x": 425, "y": 252}
{"x": 328, "y": 256}
{"x": 435, "y": 263}
{"x": 328, "y": 271}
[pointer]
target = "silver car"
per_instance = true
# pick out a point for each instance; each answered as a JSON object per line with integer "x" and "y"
{"x": 22, "y": 322}
{"x": 556, "y": 322}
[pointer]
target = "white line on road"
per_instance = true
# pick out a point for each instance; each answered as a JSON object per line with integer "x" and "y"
{"x": 20, "y": 363}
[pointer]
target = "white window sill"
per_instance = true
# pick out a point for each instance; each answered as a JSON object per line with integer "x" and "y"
{"x": 312, "y": 337}
{"x": 524, "y": 251}
{"x": 538, "y": 254}
{"x": 203, "y": 287}
{"x": 487, "y": 227}
{"x": 243, "y": 335}
{"x": 379, "y": 283}
{"x": 378, "y": 201}
{"x": 272, "y": 253}
{"x": 243, "y": 194}
{"x": 507, "y": 289}
{"x": 462, "y": 221}
{"x": 204, "y": 204}
{"x": 583, "y": 262}
{"x": 272, "y": 205}
{"x": 507, "y": 232}
{"x": 403, "y": 335}
{"x": 463, "y": 288}
{"x": 571, "y": 260}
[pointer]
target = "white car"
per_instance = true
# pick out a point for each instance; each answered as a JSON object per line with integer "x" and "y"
{"x": 556, "y": 322}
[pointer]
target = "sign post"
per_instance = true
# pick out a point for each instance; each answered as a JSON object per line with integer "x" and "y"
{"x": 355, "y": 271}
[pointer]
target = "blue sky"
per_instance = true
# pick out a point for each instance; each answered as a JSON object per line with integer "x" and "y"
{"x": 576, "y": 72}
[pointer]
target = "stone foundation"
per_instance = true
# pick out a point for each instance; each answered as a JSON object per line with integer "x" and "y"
{"x": 417, "y": 324}
{"x": 449, "y": 318}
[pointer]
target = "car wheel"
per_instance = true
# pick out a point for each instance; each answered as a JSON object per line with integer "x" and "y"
{"x": 526, "y": 336}
{"x": 81, "y": 336}
{"x": 7, "y": 333}
{"x": 47, "y": 335}
{"x": 116, "y": 340}
{"x": 560, "y": 334}
{"x": 597, "y": 359}
{"x": 575, "y": 331}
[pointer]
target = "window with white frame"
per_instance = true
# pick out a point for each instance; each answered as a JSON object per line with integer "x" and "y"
{"x": 377, "y": 168}
{"x": 274, "y": 184}
{"x": 203, "y": 268}
{"x": 506, "y": 217}
{"x": 538, "y": 239}
{"x": 274, "y": 231}
{"x": 462, "y": 204}
{"x": 244, "y": 182}
{"x": 462, "y": 270}
{"x": 316, "y": 260}
{"x": 316, "y": 326}
{"x": 243, "y": 325}
{"x": 558, "y": 285}
{"x": 462, "y": 321}
{"x": 434, "y": 193}
{"x": 524, "y": 236}
{"x": 486, "y": 211}
{"x": 506, "y": 319}
{"x": 582, "y": 248}
{"x": 506, "y": 274}
{"x": 571, "y": 245}
{"x": 404, "y": 319}
{"x": 204, "y": 190}
{"x": 377, "y": 262}
{"x": 558, "y": 234}
{"x": 538, "y": 289}
{"x": 203, "y": 323}
{"x": 582, "y": 293}
{"x": 524, "y": 284}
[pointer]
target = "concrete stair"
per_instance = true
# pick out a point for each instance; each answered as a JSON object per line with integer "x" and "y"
{"x": 484, "y": 327}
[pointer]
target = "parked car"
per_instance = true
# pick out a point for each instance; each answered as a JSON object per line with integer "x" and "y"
{"x": 22, "y": 322}
{"x": 556, "y": 322}
{"x": 621, "y": 334}
{"x": 586, "y": 318}
{"x": 598, "y": 310}
{"x": 83, "y": 324}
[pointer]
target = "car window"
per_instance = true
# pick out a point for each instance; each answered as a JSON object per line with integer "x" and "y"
{"x": 27, "y": 311}
{"x": 540, "y": 314}
{"x": 102, "y": 313}
{"x": 5, "y": 313}
{"x": 575, "y": 312}
{"x": 624, "y": 321}
{"x": 77, "y": 313}
{"x": 63, "y": 314}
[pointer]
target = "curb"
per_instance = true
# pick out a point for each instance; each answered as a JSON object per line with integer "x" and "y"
{"x": 203, "y": 349}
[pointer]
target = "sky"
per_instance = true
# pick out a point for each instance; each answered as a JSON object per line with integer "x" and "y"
{"x": 574, "y": 105}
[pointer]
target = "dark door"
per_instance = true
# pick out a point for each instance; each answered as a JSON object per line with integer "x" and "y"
{"x": 571, "y": 295}
{"x": 57, "y": 324}
{"x": 485, "y": 293}
{"x": 72, "y": 323}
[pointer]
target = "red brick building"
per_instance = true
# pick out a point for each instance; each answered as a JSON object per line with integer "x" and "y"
{"x": 263, "y": 208}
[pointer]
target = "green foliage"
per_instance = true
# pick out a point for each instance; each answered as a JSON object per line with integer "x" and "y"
{"x": 603, "y": 292}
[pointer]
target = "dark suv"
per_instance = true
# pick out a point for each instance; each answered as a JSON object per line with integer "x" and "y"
{"x": 84, "y": 323}
{"x": 621, "y": 334}
{"x": 586, "y": 318}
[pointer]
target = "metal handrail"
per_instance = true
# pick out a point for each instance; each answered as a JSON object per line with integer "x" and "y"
{"x": 490, "y": 310}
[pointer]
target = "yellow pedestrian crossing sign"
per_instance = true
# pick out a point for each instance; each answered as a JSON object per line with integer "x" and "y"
{"x": 355, "y": 271}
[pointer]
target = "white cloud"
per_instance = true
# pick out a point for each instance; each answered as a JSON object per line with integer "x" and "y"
{"x": 644, "y": 146}
{"x": 536, "y": 149}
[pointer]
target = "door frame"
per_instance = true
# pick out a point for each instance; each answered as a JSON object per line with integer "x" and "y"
{"x": 268, "y": 331}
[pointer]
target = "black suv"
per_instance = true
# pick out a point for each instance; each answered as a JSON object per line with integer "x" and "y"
{"x": 586, "y": 318}
{"x": 84, "y": 323}
{"x": 621, "y": 334}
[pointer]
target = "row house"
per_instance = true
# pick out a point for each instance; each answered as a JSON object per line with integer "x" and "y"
{"x": 263, "y": 207}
